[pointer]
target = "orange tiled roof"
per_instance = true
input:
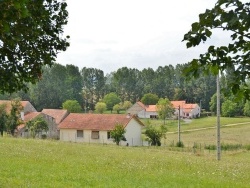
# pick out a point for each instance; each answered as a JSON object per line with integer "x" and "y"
{"x": 8, "y": 104}
{"x": 31, "y": 115}
{"x": 58, "y": 114}
{"x": 176, "y": 104}
{"x": 141, "y": 104}
{"x": 95, "y": 121}
{"x": 151, "y": 108}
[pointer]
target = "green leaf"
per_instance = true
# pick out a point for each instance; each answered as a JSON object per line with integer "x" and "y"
{"x": 208, "y": 32}
{"x": 195, "y": 27}
{"x": 189, "y": 45}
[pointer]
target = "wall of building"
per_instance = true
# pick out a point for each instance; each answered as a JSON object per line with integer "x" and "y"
{"x": 133, "y": 134}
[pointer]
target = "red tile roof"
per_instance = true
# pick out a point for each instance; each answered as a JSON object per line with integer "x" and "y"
{"x": 151, "y": 108}
{"x": 176, "y": 104}
{"x": 8, "y": 104}
{"x": 141, "y": 104}
{"x": 28, "y": 117}
{"x": 58, "y": 114}
{"x": 31, "y": 116}
{"x": 95, "y": 121}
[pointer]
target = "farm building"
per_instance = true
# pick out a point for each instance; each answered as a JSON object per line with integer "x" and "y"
{"x": 95, "y": 128}
{"x": 150, "y": 111}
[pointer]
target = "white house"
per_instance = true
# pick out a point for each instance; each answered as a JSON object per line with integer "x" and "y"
{"x": 95, "y": 128}
{"x": 150, "y": 111}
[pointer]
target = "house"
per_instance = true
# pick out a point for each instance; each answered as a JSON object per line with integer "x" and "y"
{"x": 52, "y": 131}
{"x": 27, "y": 106}
{"x": 58, "y": 115}
{"x": 143, "y": 111}
{"x": 150, "y": 111}
{"x": 95, "y": 128}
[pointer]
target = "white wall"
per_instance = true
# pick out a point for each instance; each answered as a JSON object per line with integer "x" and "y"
{"x": 133, "y": 134}
{"x": 71, "y": 135}
{"x": 194, "y": 113}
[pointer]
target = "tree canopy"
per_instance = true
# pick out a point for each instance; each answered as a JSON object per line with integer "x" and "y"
{"x": 30, "y": 37}
{"x": 72, "y": 106}
{"x": 111, "y": 99}
{"x": 149, "y": 99}
{"x": 118, "y": 133}
{"x": 164, "y": 108}
{"x": 232, "y": 16}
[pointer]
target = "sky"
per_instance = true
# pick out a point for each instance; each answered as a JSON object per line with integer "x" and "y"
{"x": 111, "y": 34}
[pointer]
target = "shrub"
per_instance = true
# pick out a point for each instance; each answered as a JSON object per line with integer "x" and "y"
{"x": 180, "y": 144}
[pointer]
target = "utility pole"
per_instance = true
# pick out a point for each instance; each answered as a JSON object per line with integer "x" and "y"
{"x": 179, "y": 126}
{"x": 218, "y": 119}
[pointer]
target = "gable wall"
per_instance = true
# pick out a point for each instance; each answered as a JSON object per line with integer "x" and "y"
{"x": 133, "y": 134}
{"x": 29, "y": 108}
{"x": 135, "y": 109}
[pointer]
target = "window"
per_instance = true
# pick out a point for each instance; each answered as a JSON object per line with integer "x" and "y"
{"x": 108, "y": 135}
{"x": 153, "y": 116}
{"x": 79, "y": 133}
{"x": 95, "y": 135}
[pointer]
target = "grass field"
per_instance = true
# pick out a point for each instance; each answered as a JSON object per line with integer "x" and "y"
{"x": 50, "y": 163}
{"x": 46, "y": 163}
{"x": 172, "y": 125}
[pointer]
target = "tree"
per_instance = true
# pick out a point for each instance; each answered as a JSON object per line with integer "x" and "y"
{"x": 72, "y": 106}
{"x": 154, "y": 135}
{"x": 3, "y": 118}
{"x": 117, "y": 108}
{"x": 164, "y": 108}
{"x": 229, "y": 108}
{"x": 36, "y": 126}
{"x": 14, "y": 117}
{"x": 100, "y": 107}
{"x": 51, "y": 91}
{"x": 111, "y": 99}
{"x": 73, "y": 83}
{"x": 93, "y": 85}
{"x": 126, "y": 105}
{"x": 118, "y": 133}
{"x": 149, "y": 99}
{"x": 128, "y": 83}
{"x": 163, "y": 84}
{"x": 247, "y": 109}
{"x": 231, "y": 16}
{"x": 30, "y": 37}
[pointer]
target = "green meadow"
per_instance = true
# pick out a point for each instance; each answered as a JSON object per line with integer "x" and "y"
{"x": 51, "y": 163}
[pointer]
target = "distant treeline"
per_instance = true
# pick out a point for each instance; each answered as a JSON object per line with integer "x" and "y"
{"x": 89, "y": 85}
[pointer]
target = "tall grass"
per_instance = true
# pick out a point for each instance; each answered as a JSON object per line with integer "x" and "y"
{"x": 45, "y": 163}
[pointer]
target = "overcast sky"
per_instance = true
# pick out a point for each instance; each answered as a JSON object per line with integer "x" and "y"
{"x": 110, "y": 34}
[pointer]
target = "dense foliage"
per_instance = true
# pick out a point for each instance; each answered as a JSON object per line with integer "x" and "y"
{"x": 72, "y": 106}
{"x": 36, "y": 126}
{"x": 88, "y": 86}
{"x": 231, "y": 16}
{"x": 118, "y": 133}
{"x": 30, "y": 37}
{"x": 154, "y": 134}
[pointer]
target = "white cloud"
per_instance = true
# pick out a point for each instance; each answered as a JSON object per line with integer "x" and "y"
{"x": 135, "y": 33}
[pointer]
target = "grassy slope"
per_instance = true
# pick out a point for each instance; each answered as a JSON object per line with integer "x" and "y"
{"x": 196, "y": 123}
{"x": 44, "y": 163}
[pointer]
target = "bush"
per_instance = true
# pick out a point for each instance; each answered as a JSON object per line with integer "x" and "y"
{"x": 225, "y": 147}
{"x": 44, "y": 136}
{"x": 180, "y": 144}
